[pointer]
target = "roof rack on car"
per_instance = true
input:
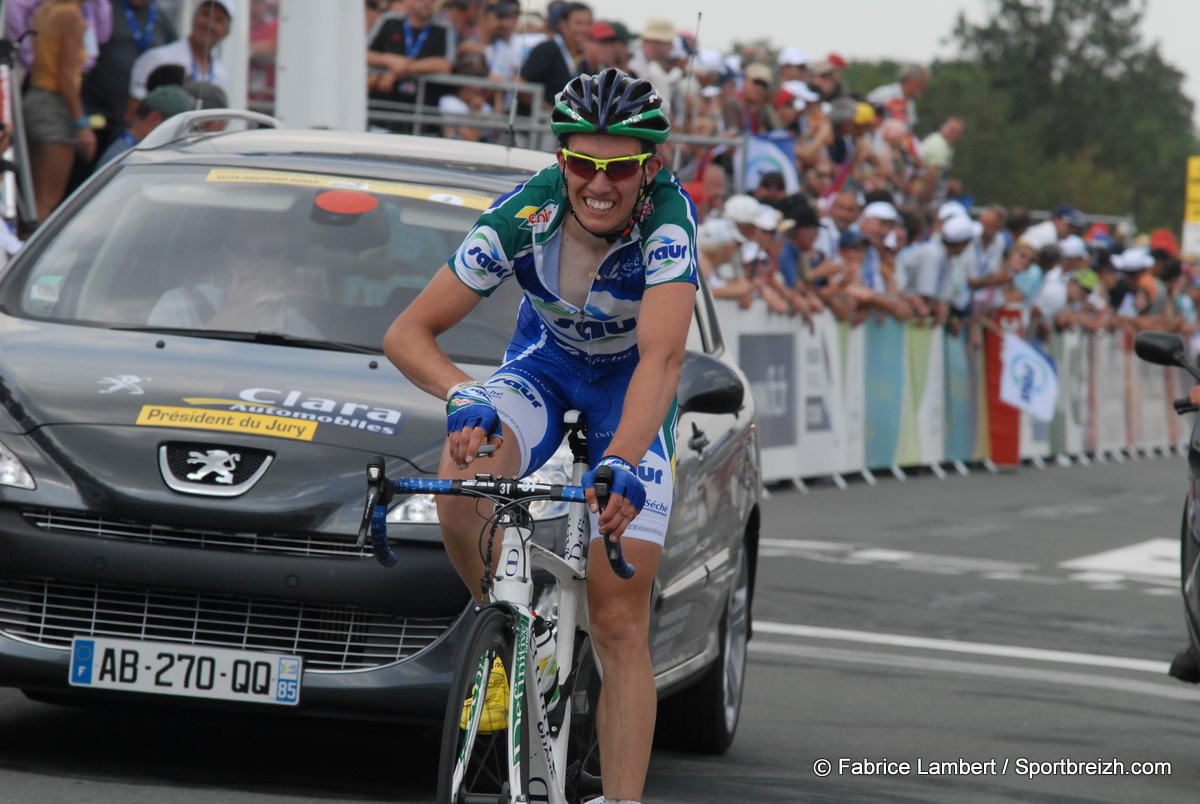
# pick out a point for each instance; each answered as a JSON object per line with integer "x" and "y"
{"x": 192, "y": 124}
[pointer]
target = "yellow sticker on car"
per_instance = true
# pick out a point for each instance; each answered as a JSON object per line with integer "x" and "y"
{"x": 435, "y": 194}
{"x": 227, "y": 421}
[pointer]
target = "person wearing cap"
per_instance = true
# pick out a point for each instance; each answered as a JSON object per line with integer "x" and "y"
{"x": 878, "y": 225}
{"x": 824, "y": 77}
{"x": 899, "y": 99}
{"x": 600, "y": 50}
{"x": 796, "y": 258}
{"x": 495, "y": 32}
{"x": 161, "y": 104}
{"x": 462, "y": 17}
{"x": 404, "y": 46}
{"x": 938, "y": 277}
{"x": 750, "y": 111}
{"x": 718, "y": 247}
{"x": 652, "y": 58}
{"x": 756, "y": 224}
{"x": 793, "y": 65}
{"x": 1072, "y": 256}
{"x": 1065, "y": 219}
{"x": 1085, "y": 302}
{"x": 556, "y": 61}
{"x": 197, "y": 52}
{"x": 137, "y": 26}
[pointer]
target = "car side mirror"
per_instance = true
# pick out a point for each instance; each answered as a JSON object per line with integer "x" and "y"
{"x": 709, "y": 386}
{"x": 1160, "y": 348}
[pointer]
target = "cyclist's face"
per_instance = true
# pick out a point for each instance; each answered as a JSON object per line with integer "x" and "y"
{"x": 602, "y": 203}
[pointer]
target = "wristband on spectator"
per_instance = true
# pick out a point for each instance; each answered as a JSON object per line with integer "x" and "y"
{"x": 83, "y": 122}
{"x": 454, "y": 389}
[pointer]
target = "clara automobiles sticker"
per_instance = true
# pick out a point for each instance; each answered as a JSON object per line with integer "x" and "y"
{"x": 267, "y": 411}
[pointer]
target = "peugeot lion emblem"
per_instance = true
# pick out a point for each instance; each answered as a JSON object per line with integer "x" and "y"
{"x": 214, "y": 471}
{"x": 218, "y": 461}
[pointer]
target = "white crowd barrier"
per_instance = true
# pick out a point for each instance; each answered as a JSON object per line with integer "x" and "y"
{"x": 835, "y": 399}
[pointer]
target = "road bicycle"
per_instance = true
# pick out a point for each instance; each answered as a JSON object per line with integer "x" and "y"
{"x": 545, "y": 749}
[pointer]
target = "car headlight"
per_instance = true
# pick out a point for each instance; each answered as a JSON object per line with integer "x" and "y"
{"x": 13, "y": 472}
{"x": 421, "y": 509}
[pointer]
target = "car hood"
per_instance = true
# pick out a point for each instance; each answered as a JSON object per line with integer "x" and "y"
{"x": 53, "y": 374}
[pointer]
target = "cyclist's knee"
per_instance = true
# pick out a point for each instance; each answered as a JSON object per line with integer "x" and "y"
{"x": 618, "y": 628}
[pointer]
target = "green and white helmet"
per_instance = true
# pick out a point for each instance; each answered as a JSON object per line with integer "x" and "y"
{"x": 610, "y": 103}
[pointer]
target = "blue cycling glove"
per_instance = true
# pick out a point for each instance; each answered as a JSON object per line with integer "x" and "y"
{"x": 469, "y": 405}
{"x": 625, "y": 481}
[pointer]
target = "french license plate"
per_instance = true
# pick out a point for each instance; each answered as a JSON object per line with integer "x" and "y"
{"x": 173, "y": 668}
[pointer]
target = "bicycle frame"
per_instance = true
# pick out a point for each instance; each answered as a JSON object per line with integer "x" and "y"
{"x": 512, "y": 589}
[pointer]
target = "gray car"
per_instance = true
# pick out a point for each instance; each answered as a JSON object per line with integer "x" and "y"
{"x": 192, "y": 382}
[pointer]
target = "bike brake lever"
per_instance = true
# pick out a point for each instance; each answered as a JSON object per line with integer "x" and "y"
{"x": 616, "y": 556}
{"x": 379, "y": 492}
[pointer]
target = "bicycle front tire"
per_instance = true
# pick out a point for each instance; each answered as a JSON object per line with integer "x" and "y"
{"x": 474, "y": 764}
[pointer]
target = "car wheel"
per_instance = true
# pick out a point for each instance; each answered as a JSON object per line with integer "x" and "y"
{"x": 703, "y": 718}
{"x": 475, "y": 765}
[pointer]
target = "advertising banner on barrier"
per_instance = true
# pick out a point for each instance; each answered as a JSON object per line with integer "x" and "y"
{"x": 836, "y": 398}
{"x": 1004, "y": 421}
{"x": 923, "y": 439}
{"x": 823, "y": 420}
{"x": 1155, "y": 407}
{"x": 1069, "y": 433}
{"x": 961, "y": 427}
{"x": 1108, "y": 391}
{"x": 853, "y": 342}
{"x": 885, "y": 374}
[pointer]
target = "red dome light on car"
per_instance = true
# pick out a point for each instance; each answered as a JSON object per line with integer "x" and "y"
{"x": 346, "y": 202}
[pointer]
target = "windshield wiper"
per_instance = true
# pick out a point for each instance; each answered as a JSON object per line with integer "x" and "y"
{"x": 274, "y": 338}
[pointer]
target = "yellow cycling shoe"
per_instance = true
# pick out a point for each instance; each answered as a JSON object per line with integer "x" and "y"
{"x": 495, "y": 703}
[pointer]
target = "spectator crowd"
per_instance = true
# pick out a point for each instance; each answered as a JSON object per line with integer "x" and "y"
{"x": 861, "y": 214}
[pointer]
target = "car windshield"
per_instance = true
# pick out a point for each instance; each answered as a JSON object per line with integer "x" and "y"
{"x": 287, "y": 257}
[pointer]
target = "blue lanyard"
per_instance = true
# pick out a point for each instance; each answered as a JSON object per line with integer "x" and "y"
{"x": 411, "y": 47}
{"x": 870, "y": 267}
{"x": 197, "y": 75}
{"x": 141, "y": 38}
{"x": 128, "y": 139}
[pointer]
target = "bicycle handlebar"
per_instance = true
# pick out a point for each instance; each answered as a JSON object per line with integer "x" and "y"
{"x": 1185, "y": 406}
{"x": 616, "y": 557}
{"x": 381, "y": 489}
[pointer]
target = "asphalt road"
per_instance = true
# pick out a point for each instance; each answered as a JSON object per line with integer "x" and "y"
{"x": 978, "y": 638}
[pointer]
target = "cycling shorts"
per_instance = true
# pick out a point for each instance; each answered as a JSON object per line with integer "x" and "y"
{"x": 533, "y": 393}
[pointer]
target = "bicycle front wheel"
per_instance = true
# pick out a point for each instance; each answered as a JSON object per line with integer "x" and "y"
{"x": 475, "y": 760}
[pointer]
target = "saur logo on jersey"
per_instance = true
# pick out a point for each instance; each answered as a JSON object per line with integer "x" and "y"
{"x": 668, "y": 253}
{"x": 482, "y": 262}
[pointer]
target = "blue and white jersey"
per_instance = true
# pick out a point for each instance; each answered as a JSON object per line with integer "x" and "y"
{"x": 521, "y": 236}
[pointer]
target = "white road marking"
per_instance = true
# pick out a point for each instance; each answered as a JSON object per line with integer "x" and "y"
{"x": 1177, "y": 692}
{"x": 1153, "y": 564}
{"x": 1153, "y": 559}
{"x": 956, "y": 646}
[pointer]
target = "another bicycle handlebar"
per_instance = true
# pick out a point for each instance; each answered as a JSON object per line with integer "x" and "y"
{"x": 381, "y": 489}
{"x": 1185, "y": 406}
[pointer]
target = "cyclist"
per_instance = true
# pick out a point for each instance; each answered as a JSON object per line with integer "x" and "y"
{"x": 602, "y": 245}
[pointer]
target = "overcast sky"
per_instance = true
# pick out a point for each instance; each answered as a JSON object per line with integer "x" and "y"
{"x": 876, "y": 29}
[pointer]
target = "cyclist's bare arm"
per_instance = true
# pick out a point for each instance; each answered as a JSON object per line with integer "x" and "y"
{"x": 411, "y": 345}
{"x": 663, "y": 322}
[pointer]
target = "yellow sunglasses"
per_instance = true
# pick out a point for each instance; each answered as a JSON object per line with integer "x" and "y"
{"x": 617, "y": 168}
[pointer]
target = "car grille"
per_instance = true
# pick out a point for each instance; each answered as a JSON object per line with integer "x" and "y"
{"x": 82, "y": 523}
{"x": 51, "y": 613}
